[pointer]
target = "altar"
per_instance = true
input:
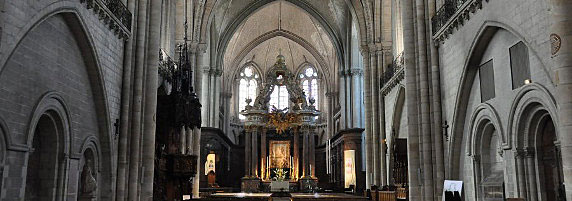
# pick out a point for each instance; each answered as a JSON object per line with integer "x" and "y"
{"x": 279, "y": 142}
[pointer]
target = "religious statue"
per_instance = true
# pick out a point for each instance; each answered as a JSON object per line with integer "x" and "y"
{"x": 88, "y": 181}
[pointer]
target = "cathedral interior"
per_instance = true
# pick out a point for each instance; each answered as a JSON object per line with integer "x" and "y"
{"x": 334, "y": 100}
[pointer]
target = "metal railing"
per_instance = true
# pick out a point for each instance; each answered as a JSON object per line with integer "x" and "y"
{"x": 120, "y": 11}
{"x": 114, "y": 13}
{"x": 395, "y": 66}
{"x": 449, "y": 8}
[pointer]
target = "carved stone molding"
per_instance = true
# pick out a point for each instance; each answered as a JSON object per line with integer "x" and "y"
{"x": 453, "y": 15}
{"x": 114, "y": 14}
{"x": 393, "y": 81}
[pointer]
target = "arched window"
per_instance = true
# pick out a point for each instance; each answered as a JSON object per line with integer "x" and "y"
{"x": 247, "y": 87}
{"x": 279, "y": 98}
{"x": 310, "y": 85}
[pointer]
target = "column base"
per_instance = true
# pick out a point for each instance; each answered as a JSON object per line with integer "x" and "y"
{"x": 250, "y": 185}
{"x": 308, "y": 184}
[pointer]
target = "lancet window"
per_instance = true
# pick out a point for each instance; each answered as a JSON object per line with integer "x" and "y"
{"x": 248, "y": 80}
{"x": 310, "y": 83}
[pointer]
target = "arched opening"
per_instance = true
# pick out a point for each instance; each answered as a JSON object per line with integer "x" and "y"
{"x": 43, "y": 169}
{"x": 549, "y": 162}
{"x": 490, "y": 175}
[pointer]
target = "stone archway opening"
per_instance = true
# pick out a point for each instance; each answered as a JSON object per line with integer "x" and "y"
{"x": 549, "y": 162}
{"x": 43, "y": 161}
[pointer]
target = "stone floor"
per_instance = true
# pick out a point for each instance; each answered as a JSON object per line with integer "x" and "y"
{"x": 295, "y": 196}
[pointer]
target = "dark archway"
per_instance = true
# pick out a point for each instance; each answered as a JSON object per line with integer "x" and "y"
{"x": 44, "y": 173}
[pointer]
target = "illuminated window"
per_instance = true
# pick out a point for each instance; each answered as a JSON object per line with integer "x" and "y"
{"x": 279, "y": 98}
{"x": 309, "y": 80}
{"x": 247, "y": 87}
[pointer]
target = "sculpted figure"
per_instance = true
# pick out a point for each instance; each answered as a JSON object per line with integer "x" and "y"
{"x": 89, "y": 184}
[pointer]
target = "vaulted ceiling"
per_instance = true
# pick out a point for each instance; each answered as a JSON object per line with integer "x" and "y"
{"x": 282, "y": 27}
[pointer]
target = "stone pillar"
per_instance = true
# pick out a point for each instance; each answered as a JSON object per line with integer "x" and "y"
{"x": 561, "y": 37}
{"x": 355, "y": 96}
{"x": 135, "y": 142}
{"x": 205, "y": 94}
{"x": 212, "y": 92}
{"x": 312, "y": 147}
{"x": 126, "y": 109}
{"x": 296, "y": 155}
{"x": 375, "y": 114}
{"x": 381, "y": 114}
{"x": 247, "y": 153}
{"x": 412, "y": 101}
{"x": 520, "y": 172}
{"x": 151, "y": 86}
{"x": 436, "y": 106}
{"x": 197, "y": 152}
{"x": 263, "y": 154}
{"x": 305, "y": 153}
{"x": 216, "y": 98}
{"x": 531, "y": 170}
{"x": 254, "y": 150}
{"x": 368, "y": 113}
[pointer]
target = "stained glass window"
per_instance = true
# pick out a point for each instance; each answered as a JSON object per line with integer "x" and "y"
{"x": 279, "y": 98}
{"x": 309, "y": 80}
{"x": 247, "y": 86}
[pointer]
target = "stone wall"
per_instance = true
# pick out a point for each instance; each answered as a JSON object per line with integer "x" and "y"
{"x": 58, "y": 49}
{"x": 504, "y": 23}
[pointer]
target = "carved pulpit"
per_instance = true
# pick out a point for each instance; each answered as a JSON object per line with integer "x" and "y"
{"x": 178, "y": 128}
{"x": 281, "y": 128}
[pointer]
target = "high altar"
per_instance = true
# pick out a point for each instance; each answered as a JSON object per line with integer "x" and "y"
{"x": 272, "y": 136}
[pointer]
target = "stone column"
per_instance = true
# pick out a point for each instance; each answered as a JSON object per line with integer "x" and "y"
{"x": 412, "y": 100}
{"x": 205, "y": 94}
{"x": 531, "y": 170}
{"x": 424, "y": 102}
{"x": 212, "y": 92}
{"x": 151, "y": 86}
{"x": 520, "y": 172}
{"x": 374, "y": 115}
{"x": 247, "y": 153}
{"x": 305, "y": 153}
{"x": 368, "y": 112}
{"x": 436, "y": 106}
{"x": 312, "y": 147}
{"x": 381, "y": 114}
{"x": 199, "y": 70}
{"x": 296, "y": 155}
{"x": 263, "y": 154}
{"x": 561, "y": 35}
{"x": 135, "y": 142}
{"x": 254, "y": 157}
{"x": 216, "y": 98}
{"x": 197, "y": 152}
{"x": 126, "y": 109}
